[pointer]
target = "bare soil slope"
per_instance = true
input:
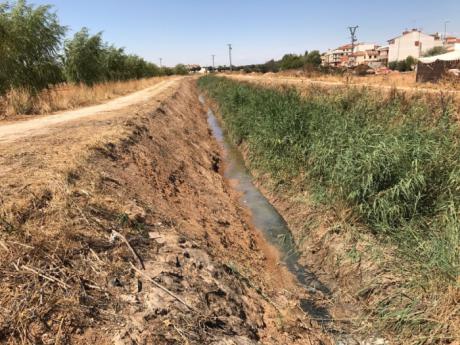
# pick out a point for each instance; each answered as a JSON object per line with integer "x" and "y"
{"x": 119, "y": 228}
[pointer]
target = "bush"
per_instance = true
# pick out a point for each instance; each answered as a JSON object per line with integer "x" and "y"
{"x": 30, "y": 39}
{"x": 403, "y": 65}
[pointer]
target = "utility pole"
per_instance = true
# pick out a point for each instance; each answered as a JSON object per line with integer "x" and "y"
{"x": 352, "y": 30}
{"x": 230, "y": 55}
{"x": 161, "y": 60}
{"x": 445, "y": 31}
{"x": 213, "y": 66}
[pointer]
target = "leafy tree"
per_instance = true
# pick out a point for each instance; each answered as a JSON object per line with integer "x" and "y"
{"x": 291, "y": 61}
{"x": 180, "y": 69}
{"x": 313, "y": 58}
{"x": 410, "y": 62}
{"x": 435, "y": 51}
{"x": 85, "y": 57}
{"x": 271, "y": 66}
{"x": 30, "y": 39}
{"x": 115, "y": 64}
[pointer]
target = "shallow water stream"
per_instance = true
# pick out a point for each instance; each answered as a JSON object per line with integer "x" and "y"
{"x": 266, "y": 218}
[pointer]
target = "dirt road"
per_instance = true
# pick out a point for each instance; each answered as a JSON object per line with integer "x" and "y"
{"x": 38, "y": 125}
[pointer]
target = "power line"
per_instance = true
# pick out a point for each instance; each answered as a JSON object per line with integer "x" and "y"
{"x": 230, "y": 55}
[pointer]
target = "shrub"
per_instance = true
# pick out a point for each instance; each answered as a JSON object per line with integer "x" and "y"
{"x": 403, "y": 65}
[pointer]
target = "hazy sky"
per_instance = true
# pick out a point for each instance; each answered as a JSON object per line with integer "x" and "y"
{"x": 189, "y": 31}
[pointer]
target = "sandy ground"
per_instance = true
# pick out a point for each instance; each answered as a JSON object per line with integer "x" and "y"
{"x": 117, "y": 227}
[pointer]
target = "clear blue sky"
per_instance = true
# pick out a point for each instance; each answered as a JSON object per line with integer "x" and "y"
{"x": 189, "y": 31}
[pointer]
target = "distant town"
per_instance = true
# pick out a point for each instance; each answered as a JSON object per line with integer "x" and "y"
{"x": 411, "y": 43}
{"x": 432, "y": 56}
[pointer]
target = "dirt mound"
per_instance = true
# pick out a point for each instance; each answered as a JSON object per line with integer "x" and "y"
{"x": 134, "y": 237}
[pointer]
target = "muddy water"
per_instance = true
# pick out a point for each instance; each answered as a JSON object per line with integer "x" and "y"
{"x": 266, "y": 218}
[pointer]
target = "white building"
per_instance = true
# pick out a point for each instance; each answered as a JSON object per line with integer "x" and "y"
{"x": 411, "y": 43}
{"x": 452, "y": 43}
{"x": 343, "y": 57}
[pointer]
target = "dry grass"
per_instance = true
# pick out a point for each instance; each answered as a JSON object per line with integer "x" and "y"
{"x": 55, "y": 257}
{"x": 67, "y": 96}
{"x": 393, "y": 79}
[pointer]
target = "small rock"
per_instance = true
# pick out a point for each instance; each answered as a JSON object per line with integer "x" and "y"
{"x": 135, "y": 213}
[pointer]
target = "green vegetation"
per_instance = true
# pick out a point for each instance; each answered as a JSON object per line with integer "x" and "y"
{"x": 89, "y": 60}
{"x": 309, "y": 61}
{"x": 404, "y": 65}
{"x": 34, "y": 56}
{"x": 30, "y": 39}
{"x": 435, "y": 51}
{"x": 394, "y": 160}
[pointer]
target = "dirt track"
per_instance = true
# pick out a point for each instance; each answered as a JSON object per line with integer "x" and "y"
{"x": 144, "y": 166}
{"x": 12, "y": 131}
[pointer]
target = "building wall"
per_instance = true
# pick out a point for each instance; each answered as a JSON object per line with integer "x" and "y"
{"x": 364, "y": 46}
{"x": 414, "y": 44}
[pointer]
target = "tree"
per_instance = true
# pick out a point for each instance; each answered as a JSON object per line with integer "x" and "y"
{"x": 313, "y": 58}
{"x": 85, "y": 58}
{"x": 291, "y": 61}
{"x": 435, "y": 51}
{"x": 410, "y": 62}
{"x": 115, "y": 64}
{"x": 271, "y": 66}
{"x": 180, "y": 69}
{"x": 30, "y": 40}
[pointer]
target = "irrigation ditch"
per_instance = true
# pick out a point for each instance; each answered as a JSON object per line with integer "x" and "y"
{"x": 366, "y": 186}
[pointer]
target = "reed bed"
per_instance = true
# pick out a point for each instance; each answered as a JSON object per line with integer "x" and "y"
{"x": 393, "y": 158}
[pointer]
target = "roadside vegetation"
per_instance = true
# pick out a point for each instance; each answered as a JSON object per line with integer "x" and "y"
{"x": 394, "y": 160}
{"x": 35, "y": 56}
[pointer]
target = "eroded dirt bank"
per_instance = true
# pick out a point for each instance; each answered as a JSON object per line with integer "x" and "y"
{"x": 86, "y": 224}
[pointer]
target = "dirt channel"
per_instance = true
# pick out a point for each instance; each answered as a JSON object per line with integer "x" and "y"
{"x": 121, "y": 229}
